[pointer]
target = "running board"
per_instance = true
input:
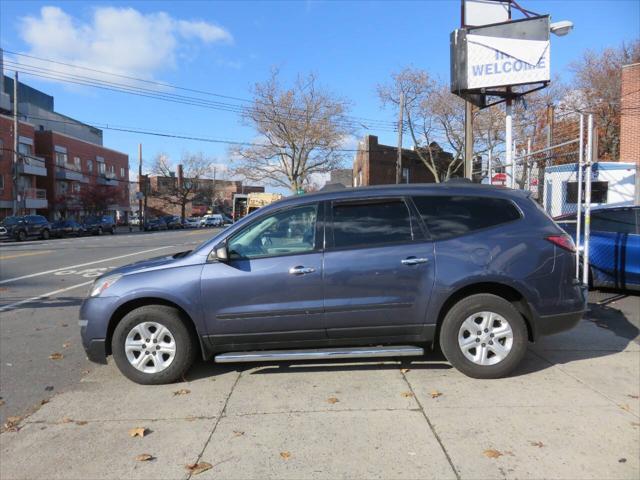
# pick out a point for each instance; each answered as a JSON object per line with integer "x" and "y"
{"x": 320, "y": 354}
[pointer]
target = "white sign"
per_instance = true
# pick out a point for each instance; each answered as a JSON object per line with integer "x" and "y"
{"x": 485, "y": 12}
{"x": 498, "y": 61}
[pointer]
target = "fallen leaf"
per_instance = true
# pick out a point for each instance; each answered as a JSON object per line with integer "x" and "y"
{"x": 66, "y": 420}
{"x": 64, "y": 325}
{"x": 634, "y": 396}
{"x": 66, "y": 344}
{"x": 622, "y": 460}
{"x": 237, "y": 433}
{"x": 144, "y": 457}
{"x": 48, "y": 388}
{"x": 405, "y": 370}
{"x": 56, "y": 356}
{"x": 435, "y": 394}
{"x": 406, "y": 394}
{"x": 85, "y": 372}
{"x": 537, "y": 444}
{"x": 285, "y": 455}
{"x": 11, "y": 424}
{"x": 197, "y": 468}
{"x": 635, "y": 424}
{"x": 182, "y": 391}
{"x": 81, "y": 422}
{"x": 492, "y": 453}
{"x": 625, "y": 407}
{"x": 44, "y": 401}
{"x": 332, "y": 400}
{"x": 138, "y": 432}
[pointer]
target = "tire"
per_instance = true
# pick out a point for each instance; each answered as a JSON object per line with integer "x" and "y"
{"x": 452, "y": 333}
{"x": 99, "y": 231}
{"x": 21, "y": 236}
{"x": 184, "y": 345}
{"x": 45, "y": 234}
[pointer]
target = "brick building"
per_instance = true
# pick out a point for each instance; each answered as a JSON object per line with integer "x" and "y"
{"x": 630, "y": 114}
{"x": 61, "y": 161}
{"x": 375, "y": 164}
{"x": 209, "y": 195}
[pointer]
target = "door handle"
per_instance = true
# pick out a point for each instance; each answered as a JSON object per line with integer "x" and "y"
{"x": 300, "y": 270}
{"x": 414, "y": 261}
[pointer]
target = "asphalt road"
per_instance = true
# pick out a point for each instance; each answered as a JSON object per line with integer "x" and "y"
{"x": 42, "y": 284}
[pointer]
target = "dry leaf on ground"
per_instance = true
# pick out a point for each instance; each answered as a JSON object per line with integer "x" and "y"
{"x": 332, "y": 400}
{"x": 405, "y": 370}
{"x": 81, "y": 422}
{"x": 406, "y": 394}
{"x": 44, "y": 401}
{"x": 66, "y": 344}
{"x": 144, "y": 457}
{"x": 634, "y": 396}
{"x": 182, "y": 391}
{"x": 285, "y": 455}
{"x": 56, "y": 356}
{"x": 635, "y": 424}
{"x": 11, "y": 424}
{"x": 537, "y": 444}
{"x": 237, "y": 433}
{"x": 435, "y": 394}
{"x": 492, "y": 453}
{"x": 138, "y": 432}
{"x": 197, "y": 468}
{"x": 66, "y": 420}
{"x": 625, "y": 407}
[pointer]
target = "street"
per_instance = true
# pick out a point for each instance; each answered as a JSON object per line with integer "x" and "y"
{"x": 42, "y": 284}
{"x": 571, "y": 410}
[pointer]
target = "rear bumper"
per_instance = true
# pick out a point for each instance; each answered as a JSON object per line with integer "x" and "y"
{"x": 551, "y": 324}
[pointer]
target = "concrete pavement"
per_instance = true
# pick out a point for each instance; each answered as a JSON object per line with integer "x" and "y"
{"x": 571, "y": 411}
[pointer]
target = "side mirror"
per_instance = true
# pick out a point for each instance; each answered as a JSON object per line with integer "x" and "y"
{"x": 221, "y": 253}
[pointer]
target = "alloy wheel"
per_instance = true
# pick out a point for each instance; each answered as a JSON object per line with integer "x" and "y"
{"x": 150, "y": 347}
{"x": 485, "y": 338}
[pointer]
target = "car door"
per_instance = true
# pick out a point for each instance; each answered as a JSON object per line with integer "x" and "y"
{"x": 270, "y": 288}
{"x": 378, "y": 270}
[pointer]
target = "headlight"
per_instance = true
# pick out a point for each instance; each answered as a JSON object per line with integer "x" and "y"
{"x": 101, "y": 284}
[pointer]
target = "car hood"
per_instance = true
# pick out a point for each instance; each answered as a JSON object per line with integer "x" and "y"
{"x": 156, "y": 263}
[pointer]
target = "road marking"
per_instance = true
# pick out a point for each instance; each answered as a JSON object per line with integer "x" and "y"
{"x": 11, "y": 306}
{"x": 9, "y": 280}
{"x": 29, "y": 254}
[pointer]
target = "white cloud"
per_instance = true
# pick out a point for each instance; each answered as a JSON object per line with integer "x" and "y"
{"x": 118, "y": 40}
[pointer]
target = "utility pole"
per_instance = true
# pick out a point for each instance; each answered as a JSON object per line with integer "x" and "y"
{"x": 400, "y": 129}
{"x": 141, "y": 226}
{"x": 15, "y": 143}
{"x": 468, "y": 140}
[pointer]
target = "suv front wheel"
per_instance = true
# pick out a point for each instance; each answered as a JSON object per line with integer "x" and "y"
{"x": 151, "y": 345}
{"x": 484, "y": 336}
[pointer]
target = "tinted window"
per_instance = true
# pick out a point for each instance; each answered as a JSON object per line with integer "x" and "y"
{"x": 618, "y": 221}
{"x": 368, "y": 224}
{"x": 281, "y": 233}
{"x": 449, "y": 216}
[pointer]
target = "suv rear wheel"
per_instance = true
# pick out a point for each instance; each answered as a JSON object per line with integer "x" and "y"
{"x": 45, "y": 234}
{"x": 151, "y": 345}
{"x": 21, "y": 236}
{"x": 484, "y": 336}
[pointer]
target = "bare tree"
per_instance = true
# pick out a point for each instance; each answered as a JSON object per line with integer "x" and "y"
{"x": 597, "y": 78}
{"x": 180, "y": 190}
{"x": 301, "y": 132}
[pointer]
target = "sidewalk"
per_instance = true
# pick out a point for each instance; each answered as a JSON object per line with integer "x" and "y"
{"x": 571, "y": 411}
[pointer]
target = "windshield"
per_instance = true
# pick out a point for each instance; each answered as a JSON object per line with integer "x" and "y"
{"x": 10, "y": 220}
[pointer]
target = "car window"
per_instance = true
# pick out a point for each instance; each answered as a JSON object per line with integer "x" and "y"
{"x": 450, "y": 216}
{"x": 281, "y": 233}
{"x": 617, "y": 221}
{"x": 371, "y": 224}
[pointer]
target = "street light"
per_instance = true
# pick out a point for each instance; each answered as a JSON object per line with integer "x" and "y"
{"x": 561, "y": 28}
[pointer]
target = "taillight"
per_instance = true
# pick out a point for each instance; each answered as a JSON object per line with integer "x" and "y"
{"x": 563, "y": 241}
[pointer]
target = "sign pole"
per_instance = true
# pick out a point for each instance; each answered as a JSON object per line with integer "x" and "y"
{"x": 468, "y": 140}
{"x": 579, "y": 199}
{"x": 508, "y": 158}
{"x": 587, "y": 202}
{"x": 400, "y": 131}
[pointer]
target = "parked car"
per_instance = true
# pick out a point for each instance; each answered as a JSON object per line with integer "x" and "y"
{"x": 614, "y": 246}
{"x": 212, "y": 220}
{"x": 155, "y": 224}
{"x": 191, "y": 222}
{"x": 21, "y": 228}
{"x": 99, "y": 224}
{"x": 64, "y": 228}
{"x": 380, "y": 271}
{"x": 173, "y": 222}
{"x": 134, "y": 221}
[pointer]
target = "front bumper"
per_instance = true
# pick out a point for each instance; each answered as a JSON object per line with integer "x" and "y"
{"x": 95, "y": 313}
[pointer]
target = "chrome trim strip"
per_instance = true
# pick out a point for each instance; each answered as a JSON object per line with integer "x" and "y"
{"x": 320, "y": 354}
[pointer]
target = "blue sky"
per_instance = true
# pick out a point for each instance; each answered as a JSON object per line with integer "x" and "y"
{"x": 225, "y": 47}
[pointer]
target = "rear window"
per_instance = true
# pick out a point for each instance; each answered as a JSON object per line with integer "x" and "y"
{"x": 450, "y": 216}
{"x": 371, "y": 224}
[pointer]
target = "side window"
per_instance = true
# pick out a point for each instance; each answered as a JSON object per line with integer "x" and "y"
{"x": 450, "y": 216}
{"x": 282, "y": 233}
{"x": 371, "y": 223}
{"x": 616, "y": 221}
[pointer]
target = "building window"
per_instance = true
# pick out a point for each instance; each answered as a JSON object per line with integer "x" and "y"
{"x": 101, "y": 168}
{"x": 122, "y": 172}
{"x": 1, "y": 148}
{"x": 25, "y": 149}
{"x": 89, "y": 166}
{"x": 76, "y": 187}
{"x": 76, "y": 161}
{"x": 1, "y": 183}
{"x": 61, "y": 159}
{"x": 405, "y": 175}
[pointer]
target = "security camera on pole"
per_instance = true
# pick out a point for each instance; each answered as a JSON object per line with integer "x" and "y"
{"x": 495, "y": 59}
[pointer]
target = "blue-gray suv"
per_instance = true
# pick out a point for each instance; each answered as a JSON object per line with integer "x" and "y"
{"x": 369, "y": 272}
